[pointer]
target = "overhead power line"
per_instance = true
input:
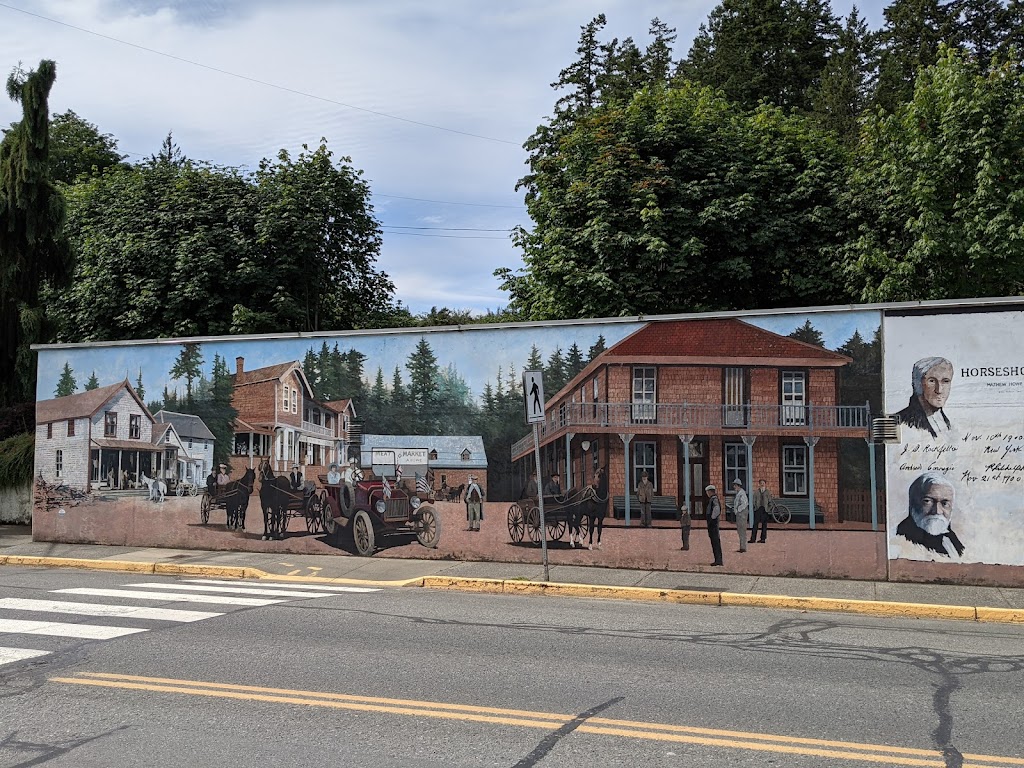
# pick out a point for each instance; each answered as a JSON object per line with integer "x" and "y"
{"x": 445, "y": 229}
{"x": 451, "y": 237}
{"x": 448, "y": 202}
{"x": 258, "y": 81}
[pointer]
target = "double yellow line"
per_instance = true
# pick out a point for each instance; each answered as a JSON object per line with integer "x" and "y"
{"x": 762, "y": 742}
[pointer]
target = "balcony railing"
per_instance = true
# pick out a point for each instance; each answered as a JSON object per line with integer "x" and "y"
{"x": 317, "y": 429}
{"x": 698, "y": 418}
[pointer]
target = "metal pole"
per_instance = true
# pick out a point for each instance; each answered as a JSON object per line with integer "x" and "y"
{"x": 811, "y": 442}
{"x": 874, "y": 488}
{"x": 686, "y": 470}
{"x": 540, "y": 499}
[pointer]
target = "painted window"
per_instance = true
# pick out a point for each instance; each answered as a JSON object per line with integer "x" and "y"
{"x": 134, "y": 426}
{"x": 594, "y": 398}
{"x": 794, "y": 398}
{"x": 433, "y": 457}
{"x": 644, "y": 394}
{"x": 467, "y": 455}
{"x": 735, "y": 380}
{"x": 735, "y": 465}
{"x": 645, "y": 457}
{"x": 49, "y": 430}
{"x": 295, "y": 401}
{"x": 59, "y": 463}
{"x": 110, "y": 424}
{"x": 794, "y": 470}
{"x": 71, "y": 427}
{"x": 285, "y": 399}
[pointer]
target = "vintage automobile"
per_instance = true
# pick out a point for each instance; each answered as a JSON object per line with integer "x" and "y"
{"x": 368, "y": 508}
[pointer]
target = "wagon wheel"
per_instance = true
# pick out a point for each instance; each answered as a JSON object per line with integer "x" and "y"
{"x": 193, "y": 489}
{"x": 533, "y": 524}
{"x": 516, "y": 523}
{"x": 314, "y": 513}
{"x": 180, "y": 490}
{"x": 556, "y": 529}
{"x": 327, "y": 513}
{"x": 428, "y": 529}
{"x": 204, "y": 509}
{"x": 362, "y": 533}
{"x": 584, "y": 527}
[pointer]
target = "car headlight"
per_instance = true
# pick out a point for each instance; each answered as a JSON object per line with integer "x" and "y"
{"x": 414, "y": 501}
{"x": 380, "y": 506}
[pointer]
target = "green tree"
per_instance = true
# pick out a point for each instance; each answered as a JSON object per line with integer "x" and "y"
{"x": 66, "y": 385}
{"x": 216, "y": 410}
{"x": 936, "y": 193}
{"x": 188, "y": 366}
{"x": 317, "y": 244}
{"x": 554, "y": 372}
{"x": 679, "y": 201}
{"x": 423, "y": 372}
{"x": 808, "y": 334}
{"x": 596, "y": 348}
{"x": 847, "y": 82}
{"x": 78, "y": 148}
{"x": 139, "y": 389}
{"x": 773, "y": 50}
{"x": 909, "y": 41}
{"x": 33, "y": 248}
{"x": 92, "y": 383}
{"x": 534, "y": 362}
{"x": 574, "y": 362}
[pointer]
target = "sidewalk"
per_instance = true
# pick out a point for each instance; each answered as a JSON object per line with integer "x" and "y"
{"x": 989, "y": 604}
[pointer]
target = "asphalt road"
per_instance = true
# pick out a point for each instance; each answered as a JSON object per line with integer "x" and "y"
{"x": 412, "y": 677}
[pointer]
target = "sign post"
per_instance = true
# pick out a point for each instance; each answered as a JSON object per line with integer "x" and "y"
{"x": 533, "y": 394}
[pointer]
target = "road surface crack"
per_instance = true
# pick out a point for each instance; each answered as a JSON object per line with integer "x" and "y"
{"x": 548, "y": 742}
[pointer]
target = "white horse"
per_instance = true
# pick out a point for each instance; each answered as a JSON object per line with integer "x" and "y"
{"x": 157, "y": 488}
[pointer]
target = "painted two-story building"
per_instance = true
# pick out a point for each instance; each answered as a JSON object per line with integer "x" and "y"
{"x": 99, "y": 438}
{"x": 280, "y": 421}
{"x": 698, "y": 402}
{"x": 196, "y": 441}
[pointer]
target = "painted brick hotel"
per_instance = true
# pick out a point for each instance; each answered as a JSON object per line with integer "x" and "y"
{"x": 695, "y": 402}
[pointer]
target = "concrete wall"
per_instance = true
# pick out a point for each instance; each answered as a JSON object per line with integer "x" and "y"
{"x": 16, "y": 505}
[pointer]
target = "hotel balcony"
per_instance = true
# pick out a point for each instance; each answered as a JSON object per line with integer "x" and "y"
{"x": 316, "y": 429}
{"x": 700, "y": 419}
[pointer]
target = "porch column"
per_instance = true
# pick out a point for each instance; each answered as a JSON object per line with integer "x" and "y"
{"x": 628, "y": 485}
{"x": 686, "y": 440}
{"x": 252, "y": 439}
{"x": 811, "y": 442}
{"x": 748, "y": 441}
{"x": 874, "y": 488}
{"x": 568, "y": 459}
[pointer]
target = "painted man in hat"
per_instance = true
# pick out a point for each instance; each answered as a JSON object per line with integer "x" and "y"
{"x": 295, "y": 479}
{"x": 644, "y": 495}
{"x": 714, "y": 515}
{"x": 474, "y": 504}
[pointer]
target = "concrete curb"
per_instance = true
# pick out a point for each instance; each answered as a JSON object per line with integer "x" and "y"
{"x": 195, "y": 569}
{"x": 826, "y": 604}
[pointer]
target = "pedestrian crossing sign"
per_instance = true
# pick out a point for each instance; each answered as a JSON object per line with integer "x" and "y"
{"x": 533, "y": 393}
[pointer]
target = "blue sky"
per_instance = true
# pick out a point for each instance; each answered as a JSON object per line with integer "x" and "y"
{"x": 462, "y": 66}
{"x": 477, "y": 353}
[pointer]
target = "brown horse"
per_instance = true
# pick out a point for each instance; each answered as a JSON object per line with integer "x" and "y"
{"x": 274, "y": 494}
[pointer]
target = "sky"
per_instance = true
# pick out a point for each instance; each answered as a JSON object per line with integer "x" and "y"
{"x": 477, "y": 352}
{"x": 432, "y": 101}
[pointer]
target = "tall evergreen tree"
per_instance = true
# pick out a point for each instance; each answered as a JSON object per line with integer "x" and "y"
{"x": 596, "y": 348}
{"x": 92, "y": 383}
{"x": 139, "y": 388}
{"x": 33, "y": 248}
{"x": 534, "y": 362}
{"x": 554, "y": 373}
{"x": 909, "y": 41}
{"x": 574, "y": 362}
{"x": 66, "y": 385}
{"x": 763, "y": 49}
{"x": 809, "y": 334}
{"x": 188, "y": 366}
{"x": 423, "y": 373}
{"x": 847, "y": 82}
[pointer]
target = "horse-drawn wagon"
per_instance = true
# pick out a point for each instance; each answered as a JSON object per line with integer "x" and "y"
{"x": 366, "y": 509}
{"x": 560, "y": 512}
{"x": 232, "y": 497}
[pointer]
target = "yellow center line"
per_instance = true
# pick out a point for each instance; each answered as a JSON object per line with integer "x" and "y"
{"x": 877, "y": 753}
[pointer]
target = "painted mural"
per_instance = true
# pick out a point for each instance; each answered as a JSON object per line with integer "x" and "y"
{"x": 956, "y": 475}
{"x": 414, "y": 442}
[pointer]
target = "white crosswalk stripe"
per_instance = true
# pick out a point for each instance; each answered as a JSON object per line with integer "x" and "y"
{"x": 170, "y": 597}
{"x": 234, "y": 590}
{"x": 62, "y": 629}
{"x": 234, "y": 594}
{"x": 99, "y": 609}
{"x": 288, "y": 585}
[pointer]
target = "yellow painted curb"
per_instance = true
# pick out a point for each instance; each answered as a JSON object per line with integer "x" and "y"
{"x": 464, "y": 585}
{"x": 1001, "y": 615}
{"x": 74, "y": 562}
{"x": 253, "y": 573}
{"x": 841, "y": 605}
{"x": 222, "y": 571}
